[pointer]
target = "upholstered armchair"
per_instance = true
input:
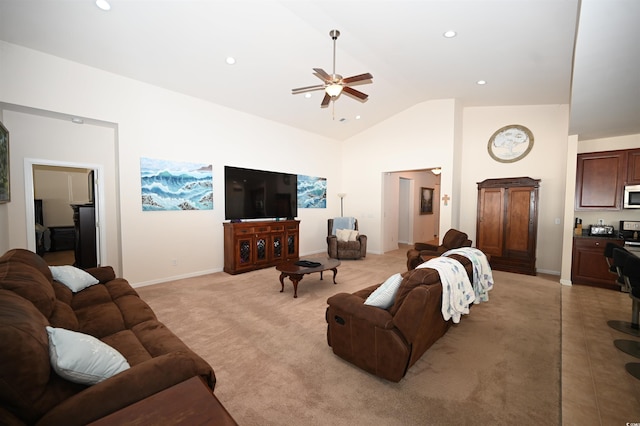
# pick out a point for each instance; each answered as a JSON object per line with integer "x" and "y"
{"x": 343, "y": 239}
{"x": 423, "y": 251}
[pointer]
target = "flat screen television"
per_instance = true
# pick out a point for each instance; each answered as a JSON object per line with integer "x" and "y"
{"x": 259, "y": 194}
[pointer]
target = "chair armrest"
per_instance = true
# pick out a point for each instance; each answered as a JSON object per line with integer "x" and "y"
{"x": 425, "y": 246}
{"x": 123, "y": 389}
{"x": 332, "y": 246}
{"x": 363, "y": 244}
{"x": 354, "y": 306}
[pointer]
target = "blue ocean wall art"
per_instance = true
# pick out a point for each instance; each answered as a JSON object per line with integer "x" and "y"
{"x": 175, "y": 185}
{"x": 312, "y": 192}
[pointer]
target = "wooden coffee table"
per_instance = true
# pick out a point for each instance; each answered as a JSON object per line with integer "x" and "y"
{"x": 296, "y": 273}
{"x": 188, "y": 403}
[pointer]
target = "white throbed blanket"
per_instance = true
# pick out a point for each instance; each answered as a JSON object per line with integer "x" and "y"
{"x": 482, "y": 275}
{"x": 457, "y": 293}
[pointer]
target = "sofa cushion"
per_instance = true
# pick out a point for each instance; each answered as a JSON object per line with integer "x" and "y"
{"x": 63, "y": 316}
{"x": 81, "y": 358}
{"x": 28, "y": 258}
{"x": 74, "y": 278}
{"x": 384, "y": 296}
{"x": 27, "y": 282}
{"x": 25, "y": 369}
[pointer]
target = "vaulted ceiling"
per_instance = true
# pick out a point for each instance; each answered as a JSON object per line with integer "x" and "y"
{"x": 529, "y": 52}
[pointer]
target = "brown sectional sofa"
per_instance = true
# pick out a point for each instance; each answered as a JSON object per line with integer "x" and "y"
{"x": 30, "y": 390}
{"x": 386, "y": 342}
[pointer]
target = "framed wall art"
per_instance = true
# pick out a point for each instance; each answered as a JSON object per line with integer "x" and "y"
{"x": 510, "y": 143}
{"x": 5, "y": 187}
{"x": 175, "y": 185}
{"x": 426, "y": 200}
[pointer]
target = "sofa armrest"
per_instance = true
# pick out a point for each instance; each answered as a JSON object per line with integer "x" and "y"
{"x": 123, "y": 389}
{"x": 354, "y": 305}
{"x": 103, "y": 274}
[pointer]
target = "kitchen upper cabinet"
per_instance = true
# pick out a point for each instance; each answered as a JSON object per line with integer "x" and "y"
{"x": 633, "y": 166}
{"x": 600, "y": 179}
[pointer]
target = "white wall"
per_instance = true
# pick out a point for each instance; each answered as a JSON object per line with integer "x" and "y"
{"x": 157, "y": 123}
{"x": 152, "y": 122}
{"x": 49, "y": 140}
{"x": 420, "y": 137}
{"x": 546, "y": 161}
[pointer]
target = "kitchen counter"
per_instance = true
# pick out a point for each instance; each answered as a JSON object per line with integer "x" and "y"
{"x": 585, "y": 234}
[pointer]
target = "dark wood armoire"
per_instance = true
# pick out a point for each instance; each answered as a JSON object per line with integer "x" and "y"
{"x": 507, "y": 223}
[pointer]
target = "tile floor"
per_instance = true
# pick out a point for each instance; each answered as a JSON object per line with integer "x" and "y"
{"x": 596, "y": 388}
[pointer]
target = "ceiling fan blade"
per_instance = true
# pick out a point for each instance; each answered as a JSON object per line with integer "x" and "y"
{"x": 355, "y": 78}
{"x": 325, "y": 101}
{"x": 307, "y": 89}
{"x": 320, "y": 73}
{"x": 353, "y": 92}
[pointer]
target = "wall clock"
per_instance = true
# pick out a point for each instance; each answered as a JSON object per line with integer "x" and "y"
{"x": 510, "y": 143}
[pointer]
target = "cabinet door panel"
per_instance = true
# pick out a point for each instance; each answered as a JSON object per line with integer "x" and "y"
{"x": 490, "y": 228}
{"x": 600, "y": 180}
{"x": 519, "y": 219}
{"x": 244, "y": 251}
{"x": 633, "y": 167}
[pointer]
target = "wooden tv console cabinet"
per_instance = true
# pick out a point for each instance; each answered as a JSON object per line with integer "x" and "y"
{"x": 261, "y": 244}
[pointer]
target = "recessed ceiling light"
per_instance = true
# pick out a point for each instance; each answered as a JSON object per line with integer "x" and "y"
{"x": 77, "y": 120}
{"x": 357, "y": 117}
{"x": 231, "y": 60}
{"x": 307, "y": 95}
{"x": 103, "y": 4}
{"x": 481, "y": 82}
{"x": 449, "y": 34}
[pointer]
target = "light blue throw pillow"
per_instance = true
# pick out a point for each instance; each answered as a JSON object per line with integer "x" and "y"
{"x": 74, "y": 278}
{"x": 81, "y": 358}
{"x": 384, "y": 296}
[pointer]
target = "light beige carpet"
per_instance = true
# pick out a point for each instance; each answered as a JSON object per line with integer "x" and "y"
{"x": 499, "y": 366}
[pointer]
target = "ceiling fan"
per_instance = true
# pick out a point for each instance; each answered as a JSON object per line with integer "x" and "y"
{"x": 333, "y": 84}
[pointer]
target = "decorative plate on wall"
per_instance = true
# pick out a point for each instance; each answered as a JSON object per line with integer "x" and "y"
{"x": 510, "y": 143}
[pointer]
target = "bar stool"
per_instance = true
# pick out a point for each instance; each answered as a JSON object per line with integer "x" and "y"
{"x": 613, "y": 268}
{"x": 630, "y": 266}
{"x": 631, "y": 274}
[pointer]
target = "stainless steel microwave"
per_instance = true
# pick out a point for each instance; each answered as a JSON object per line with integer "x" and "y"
{"x": 632, "y": 197}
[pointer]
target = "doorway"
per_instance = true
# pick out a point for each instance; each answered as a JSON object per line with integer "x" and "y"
{"x": 403, "y": 224}
{"x": 64, "y": 201}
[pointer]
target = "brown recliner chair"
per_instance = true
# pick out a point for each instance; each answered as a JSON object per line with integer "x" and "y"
{"x": 345, "y": 249}
{"x": 423, "y": 251}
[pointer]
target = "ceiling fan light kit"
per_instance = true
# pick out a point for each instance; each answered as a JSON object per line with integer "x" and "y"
{"x": 333, "y": 84}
